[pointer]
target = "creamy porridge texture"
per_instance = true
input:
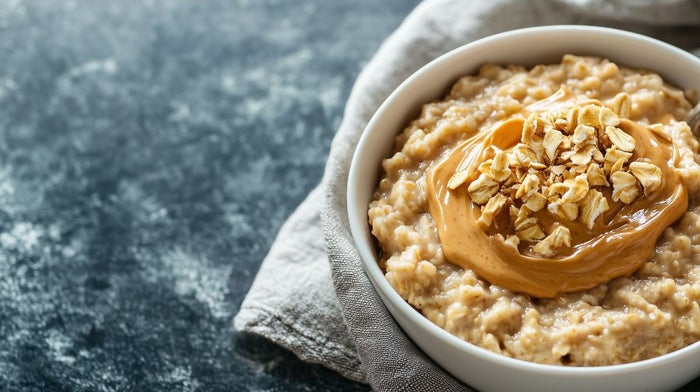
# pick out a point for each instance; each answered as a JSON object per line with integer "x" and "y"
{"x": 565, "y": 159}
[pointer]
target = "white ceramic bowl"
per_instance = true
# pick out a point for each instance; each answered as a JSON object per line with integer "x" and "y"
{"x": 475, "y": 366}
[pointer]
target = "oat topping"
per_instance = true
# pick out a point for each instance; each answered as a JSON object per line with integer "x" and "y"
{"x": 648, "y": 174}
{"x": 563, "y": 164}
{"x": 482, "y": 189}
{"x": 458, "y": 179}
{"x": 560, "y": 236}
{"x": 624, "y": 187}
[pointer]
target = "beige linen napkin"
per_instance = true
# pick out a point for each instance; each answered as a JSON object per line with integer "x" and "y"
{"x": 312, "y": 296}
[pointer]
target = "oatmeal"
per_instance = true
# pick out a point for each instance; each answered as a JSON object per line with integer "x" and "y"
{"x": 549, "y": 214}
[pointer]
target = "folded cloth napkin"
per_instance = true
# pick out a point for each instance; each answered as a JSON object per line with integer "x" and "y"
{"x": 311, "y": 294}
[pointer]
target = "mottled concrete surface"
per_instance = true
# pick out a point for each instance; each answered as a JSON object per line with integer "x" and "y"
{"x": 149, "y": 152}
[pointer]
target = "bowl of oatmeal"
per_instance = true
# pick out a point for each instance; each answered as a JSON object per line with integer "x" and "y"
{"x": 533, "y": 210}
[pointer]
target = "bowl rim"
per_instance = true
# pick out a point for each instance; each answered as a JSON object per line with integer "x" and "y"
{"x": 388, "y": 293}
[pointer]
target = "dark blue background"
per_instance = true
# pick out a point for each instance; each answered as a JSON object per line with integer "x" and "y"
{"x": 149, "y": 152}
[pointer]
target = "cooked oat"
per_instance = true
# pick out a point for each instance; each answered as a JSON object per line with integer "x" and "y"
{"x": 650, "y": 313}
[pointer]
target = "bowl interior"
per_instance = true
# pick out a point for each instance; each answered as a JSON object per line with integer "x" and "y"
{"x": 527, "y": 47}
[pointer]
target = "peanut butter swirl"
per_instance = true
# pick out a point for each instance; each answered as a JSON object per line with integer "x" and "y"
{"x": 566, "y": 196}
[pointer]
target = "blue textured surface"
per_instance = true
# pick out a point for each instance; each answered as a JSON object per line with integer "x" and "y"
{"x": 149, "y": 152}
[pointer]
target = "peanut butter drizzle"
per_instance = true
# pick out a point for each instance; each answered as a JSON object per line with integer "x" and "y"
{"x": 620, "y": 242}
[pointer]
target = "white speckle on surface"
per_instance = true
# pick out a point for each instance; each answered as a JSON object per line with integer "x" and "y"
{"x": 331, "y": 95}
{"x": 281, "y": 89}
{"x": 255, "y": 171}
{"x": 158, "y": 214}
{"x": 253, "y": 107}
{"x": 8, "y": 85}
{"x": 180, "y": 112}
{"x": 23, "y": 236}
{"x": 6, "y": 188}
{"x": 192, "y": 276}
{"x": 69, "y": 251}
{"x": 54, "y": 232}
{"x": 183, "y": 376}
{"x": 108, "y": 66}
{"x": 20, "y": 8}
{"x": 58, "y": 345}
{"x": 178, "y": 377}
{"x": 239, "y": 222}
{"x": 310, "y": 8}
{"x": 261, "y": 367}
{"x": 229, "y": 84}
{"x": 18, "y": 336}
{"x": 297, "y": 59}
